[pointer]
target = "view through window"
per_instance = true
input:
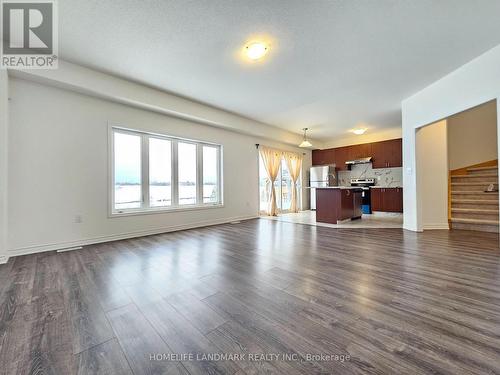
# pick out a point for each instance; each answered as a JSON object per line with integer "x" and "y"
{"x": 147, "y": 167}
{"x": 127, "y": 164}
{"x": 187, "y": 173}
{"x": 210, "y": 173}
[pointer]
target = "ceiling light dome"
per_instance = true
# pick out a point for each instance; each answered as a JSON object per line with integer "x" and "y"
{"x": 256, "y": 50}
{"x": 359, "y": 131}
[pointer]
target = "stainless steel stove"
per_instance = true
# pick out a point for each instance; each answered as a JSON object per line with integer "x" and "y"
{"x": 365, "y": 184}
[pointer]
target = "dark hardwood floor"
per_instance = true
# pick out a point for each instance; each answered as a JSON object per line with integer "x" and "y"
{"x": 272, "y": 296}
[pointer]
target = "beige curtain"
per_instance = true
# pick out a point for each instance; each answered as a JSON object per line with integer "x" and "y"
{"x": 272, "y": 161}
{"x": 294, "y": 165}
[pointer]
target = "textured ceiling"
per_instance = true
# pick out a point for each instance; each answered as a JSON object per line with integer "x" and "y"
{"x": 333, "y": 65}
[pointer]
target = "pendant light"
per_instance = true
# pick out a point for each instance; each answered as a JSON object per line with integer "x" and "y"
{"x": 305, "y": 142}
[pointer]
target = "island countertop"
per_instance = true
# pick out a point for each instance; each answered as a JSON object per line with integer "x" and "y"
{"x": 336, "y": 187}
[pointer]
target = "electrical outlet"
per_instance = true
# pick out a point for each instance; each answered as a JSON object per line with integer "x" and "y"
{"x": 78, "y": 219}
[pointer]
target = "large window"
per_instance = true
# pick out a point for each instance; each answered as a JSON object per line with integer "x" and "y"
{"x": 156, "y": 173}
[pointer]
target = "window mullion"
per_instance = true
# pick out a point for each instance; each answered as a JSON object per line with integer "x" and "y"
{"x": 145, "y": 171}
{"x": 199, "y": 174}
{"x": 175, "y": 174}
{"x": 219, "y": 175}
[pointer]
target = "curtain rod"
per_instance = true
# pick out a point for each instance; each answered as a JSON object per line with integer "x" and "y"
{"x": 257, "y": 145}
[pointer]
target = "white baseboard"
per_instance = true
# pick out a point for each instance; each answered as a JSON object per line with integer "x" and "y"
{"x": 436, "y": 226}
{"x": 121, "y": 236}
{"x": 412, "y": 228}
{"x": 4, "y": 259}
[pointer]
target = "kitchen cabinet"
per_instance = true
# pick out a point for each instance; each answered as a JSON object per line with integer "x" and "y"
{"x": 323, "y": 157}
{"x": 318, "y": 157}
{"x": 397, "y": 153}
{"x": 387, "y": 199}
{"x": 376, "y": 199}
{"x": 341, "y": 156}
{"x": 360, "y": 151}
{"x": 385, "y": 154}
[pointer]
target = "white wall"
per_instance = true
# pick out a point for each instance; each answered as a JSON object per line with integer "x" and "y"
{"x": 87, "y": 81}
{"x": 432, "y": 157}
{"x": 470, "y": 85}
{"x": 59, "y": 169}
{"x": 472, "y": 136}
{"x": 4, "y": 100}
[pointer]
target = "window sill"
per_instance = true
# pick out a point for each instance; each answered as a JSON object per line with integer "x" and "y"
{"x": 153, "y": 211}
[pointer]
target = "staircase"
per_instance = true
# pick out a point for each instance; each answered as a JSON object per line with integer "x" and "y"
{"x": 471, "y": 207}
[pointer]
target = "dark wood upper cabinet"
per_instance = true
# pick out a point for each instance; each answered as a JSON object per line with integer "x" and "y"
{"x": 341, "y": 156}
{"x": 397, "y": 153}
{"x": 318, "y": 157}
{"x": 385, "y": 154}
{"x": 379, "y": 155}
{"x": 323, "y": 157}
{"x": 360, "y": 151}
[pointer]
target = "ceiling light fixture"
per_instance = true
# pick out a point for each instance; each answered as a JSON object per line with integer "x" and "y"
{"x": 256, "y": 50}
{"x": 359, "y": 131}
{"x": 305, "y": 142}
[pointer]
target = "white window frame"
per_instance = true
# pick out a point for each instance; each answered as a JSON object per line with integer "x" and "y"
{"x": 145, "y": 203}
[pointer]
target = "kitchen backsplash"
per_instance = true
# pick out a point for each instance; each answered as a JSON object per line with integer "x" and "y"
{"x": 385, "y": 177}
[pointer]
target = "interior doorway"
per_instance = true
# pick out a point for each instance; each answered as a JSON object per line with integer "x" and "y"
{"x": 473, "y": 169}
{"x": 457, "y": 177}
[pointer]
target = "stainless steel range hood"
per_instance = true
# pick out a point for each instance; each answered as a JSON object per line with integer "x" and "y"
{"x": 359, "y": 161}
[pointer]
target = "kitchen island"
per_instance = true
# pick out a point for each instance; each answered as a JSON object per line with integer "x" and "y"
{"x": 338, "y": 203}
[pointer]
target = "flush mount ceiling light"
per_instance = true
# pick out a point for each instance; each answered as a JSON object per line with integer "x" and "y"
{"x": 305, "y": 142}
{"x": 256, "y": 50}
{"x": 359, "y": 131}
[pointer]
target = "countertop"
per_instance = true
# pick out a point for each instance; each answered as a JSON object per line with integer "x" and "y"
{"x": 354, "y": 187}
{"x": 339, "y": 187}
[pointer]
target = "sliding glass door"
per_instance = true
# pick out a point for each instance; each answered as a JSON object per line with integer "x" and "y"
{"x": 283, "y": 186}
